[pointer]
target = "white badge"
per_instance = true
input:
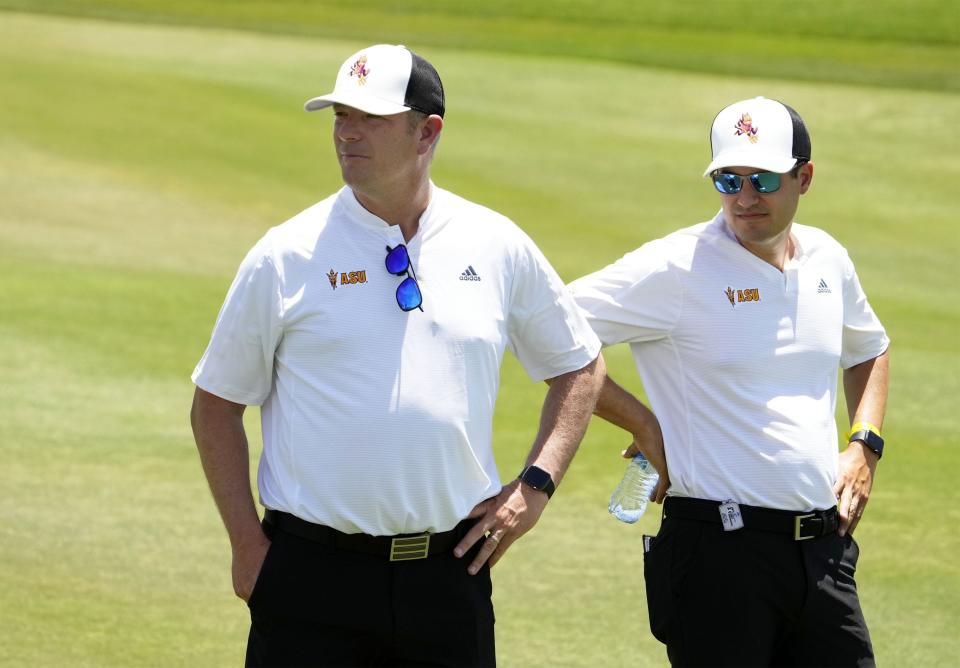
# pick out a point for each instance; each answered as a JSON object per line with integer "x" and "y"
{"x": 730, "y": 515}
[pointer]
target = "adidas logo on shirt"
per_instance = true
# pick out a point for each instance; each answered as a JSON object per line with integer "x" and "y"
{"x": 823, "y": 286}
{"x": 469, "y": 275}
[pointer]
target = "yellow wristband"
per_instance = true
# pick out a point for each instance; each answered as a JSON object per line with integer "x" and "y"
{"x": 861, "y": 426}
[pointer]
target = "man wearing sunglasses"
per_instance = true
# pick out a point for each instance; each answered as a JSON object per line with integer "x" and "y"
{"x": 370, "y": 329}
{"x": 738, "y": 326}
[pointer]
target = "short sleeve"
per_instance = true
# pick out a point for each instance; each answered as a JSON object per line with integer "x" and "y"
{"x": 238, "y": 362}
{"x": 637, "y": 298}
{"x": 545, "y": 329}
{"x": 863, "y": 335}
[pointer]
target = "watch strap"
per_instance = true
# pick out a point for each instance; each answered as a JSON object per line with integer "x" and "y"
{"x": 869, "y": 438}
{"x": 859, "y": 426}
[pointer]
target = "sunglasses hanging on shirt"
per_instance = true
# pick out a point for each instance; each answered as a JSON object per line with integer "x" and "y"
{"x": 408, "y": 292}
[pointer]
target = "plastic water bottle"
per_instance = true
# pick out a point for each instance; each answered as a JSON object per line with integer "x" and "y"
{"x": 629, "y": 500}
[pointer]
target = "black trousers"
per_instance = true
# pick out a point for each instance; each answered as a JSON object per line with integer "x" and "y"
{"x": 754, "y": 598}
{"x": 315, "y": 605}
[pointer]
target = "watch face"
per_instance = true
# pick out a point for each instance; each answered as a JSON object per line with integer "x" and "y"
{"x": 536, "y": 477}
{"x": 874, "y": 442}
{"x": 870, "y": 439}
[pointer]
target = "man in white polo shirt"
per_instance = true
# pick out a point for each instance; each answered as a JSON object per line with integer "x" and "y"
{"x": 370, "y": 329}
{"x": 737, "y": 327}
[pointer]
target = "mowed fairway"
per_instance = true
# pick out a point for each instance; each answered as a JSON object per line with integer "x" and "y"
{"x": 139, "y": 163}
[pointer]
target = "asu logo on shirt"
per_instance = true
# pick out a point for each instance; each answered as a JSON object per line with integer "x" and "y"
{"x": 739, "y": 296}
{"x": 347, "y": 277}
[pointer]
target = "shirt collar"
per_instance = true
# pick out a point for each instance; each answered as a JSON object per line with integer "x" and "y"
{"x": 720, "y": 222}
{"x": 357, "y": 213}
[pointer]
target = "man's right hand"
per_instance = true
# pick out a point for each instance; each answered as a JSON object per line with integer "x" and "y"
{"x": 222, "y": 444}
{"x": 620, "y": 408}
{"x": 247, "y": 562}
{"x": 652, "y": 449}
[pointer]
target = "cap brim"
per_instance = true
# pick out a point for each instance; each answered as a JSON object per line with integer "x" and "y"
{"x": 371, "y": 105}
{"x": 753, "y": 159}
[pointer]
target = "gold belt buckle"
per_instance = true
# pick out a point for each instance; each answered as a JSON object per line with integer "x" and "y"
{"x": 796, "y": 526}
{"x": 410, "y": 547}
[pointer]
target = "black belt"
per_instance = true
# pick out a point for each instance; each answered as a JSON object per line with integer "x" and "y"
{"x": 403, "y": 547}
{"x": 800, "y": 526}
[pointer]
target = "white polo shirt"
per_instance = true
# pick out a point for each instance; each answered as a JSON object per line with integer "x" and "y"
{"x": 739, "y": 360}
{"x": 375, "y": 420}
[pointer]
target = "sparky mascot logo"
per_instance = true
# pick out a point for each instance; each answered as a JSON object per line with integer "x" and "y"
{"x": 333, "y": 278}
{"x": 359, "y": 70}
{"x": 746, "y": 127}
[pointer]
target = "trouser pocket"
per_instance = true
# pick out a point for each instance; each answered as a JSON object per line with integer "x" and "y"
{"x": 263, "y": 576}
{"x": 661, "y": 607}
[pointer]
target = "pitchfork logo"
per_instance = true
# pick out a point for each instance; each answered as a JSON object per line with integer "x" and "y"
{"x": 746, "y": 127}
{"x": 359, "y": 70}
{"x": 333, "y": 278}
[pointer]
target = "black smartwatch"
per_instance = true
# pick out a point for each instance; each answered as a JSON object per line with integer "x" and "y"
{"x": 539, "y": 479}
{"x": 871, "y": 439}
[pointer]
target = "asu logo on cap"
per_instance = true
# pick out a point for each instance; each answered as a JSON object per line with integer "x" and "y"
{"x": 746, "y": 127}
{"x": 359, "y": 70}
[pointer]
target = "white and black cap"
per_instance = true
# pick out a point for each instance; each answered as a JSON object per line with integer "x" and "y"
{"x": 385, "y": 79}
{"x": 761, "y": 133}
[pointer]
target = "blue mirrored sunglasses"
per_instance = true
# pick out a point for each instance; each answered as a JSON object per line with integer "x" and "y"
{"x": 730, "y": 184}
{"x": 408, "y": 292}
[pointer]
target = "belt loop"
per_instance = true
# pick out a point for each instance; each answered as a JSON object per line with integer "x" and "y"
{"x": 831, "y": 521}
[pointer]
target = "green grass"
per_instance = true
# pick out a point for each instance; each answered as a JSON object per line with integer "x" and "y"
{"x": 141, "y": 161}
{"x": 885, "y": 42}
